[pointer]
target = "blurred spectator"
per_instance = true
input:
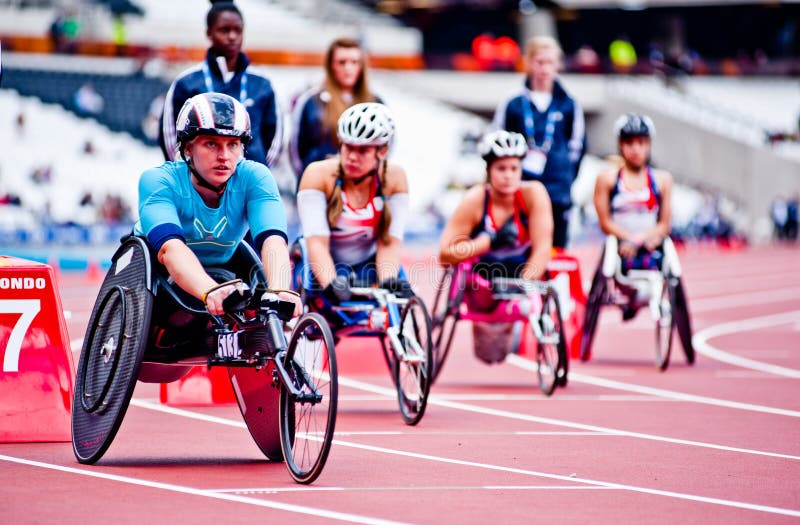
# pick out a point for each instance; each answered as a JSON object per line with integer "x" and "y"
{"x": 622, "y": 54}
{"x": 586, "y": 60}
{"x": 88, "y": 102}
{"x": 20, "y": 124}
{"x": 792, "y": 217}
{"x": 119, "y": 35}
{"x": 114, "y": 211}
{"x": 552, "y": 122}
{"x": 779, "y": 215}
{"x": 64, "y": 31}
{"x": 152, "y": 120}
{"x": 317, "y": 111}
{"x": 42, "y": 174}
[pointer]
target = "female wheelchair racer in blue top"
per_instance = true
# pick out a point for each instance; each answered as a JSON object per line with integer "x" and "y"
{"x": 353, "y": 207}
{"x": 195, "y": 212}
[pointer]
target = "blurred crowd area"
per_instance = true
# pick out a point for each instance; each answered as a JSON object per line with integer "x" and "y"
{"x": 102, "y": 120}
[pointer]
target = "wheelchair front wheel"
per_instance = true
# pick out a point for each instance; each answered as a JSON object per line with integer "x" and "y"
{"x": 551, "y": 350}
{"x": 308, "y": 418}
{"x": 415, "y": 361}
{"x": 665, "y": 326}
{"x": 443, "y": 320}
{"x": 594, "y": 303}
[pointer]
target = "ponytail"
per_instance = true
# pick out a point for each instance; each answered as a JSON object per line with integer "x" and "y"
{"x": 335, "y": 202}
{"x": 386, "y": 216}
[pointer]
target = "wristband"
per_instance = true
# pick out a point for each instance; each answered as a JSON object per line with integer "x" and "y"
{"x": 217, "y": 287}
{"x": 292, "y": 292}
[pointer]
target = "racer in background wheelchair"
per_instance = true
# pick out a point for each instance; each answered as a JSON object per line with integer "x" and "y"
{"x": 497, "y": 245}
{"x": 353, "y": 209}
{"x": 639, "y": 267}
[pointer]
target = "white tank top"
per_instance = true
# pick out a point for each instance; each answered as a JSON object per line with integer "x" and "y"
{"x": 635, "y": 210}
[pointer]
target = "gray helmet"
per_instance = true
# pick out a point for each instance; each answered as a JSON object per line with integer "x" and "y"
{"x": 634, "y": 125}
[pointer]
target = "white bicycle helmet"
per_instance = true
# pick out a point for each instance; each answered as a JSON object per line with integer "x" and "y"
{"x": 502, "y": 143}
{"x": 633, "y": 125}
{"x": 366, "y": 124}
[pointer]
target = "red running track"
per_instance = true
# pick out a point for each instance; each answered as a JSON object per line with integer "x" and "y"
{"x": 718, "y": 442}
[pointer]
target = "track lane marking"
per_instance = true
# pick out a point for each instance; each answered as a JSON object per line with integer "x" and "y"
{"x": 571, "y": 478}
{"x": 700, "y": 341}
{"x": 276, "y": 490}
{"x": 300, "y": 509}
{"x": 660, "y": 392}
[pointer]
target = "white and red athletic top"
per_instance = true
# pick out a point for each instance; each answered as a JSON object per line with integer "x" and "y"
{"x": 635, "y": 210}
{"x": 354, "y": 239}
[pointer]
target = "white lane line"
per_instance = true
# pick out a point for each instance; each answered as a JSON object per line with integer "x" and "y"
{"x": 300, "y": 509}
{"x": 434, "y": 400}
{"x": 641, "y": 389}
{"x": 573, "y": 478}
{"x": 721, "y": 302}
{"x": 701, "y": 345}
{"x": 277, "y": 490}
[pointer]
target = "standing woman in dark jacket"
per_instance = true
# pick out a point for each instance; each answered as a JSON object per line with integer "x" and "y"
{"x": 227, "y": 70}
{"x": 317, "y": 111}
{"x": 552, "y": 123}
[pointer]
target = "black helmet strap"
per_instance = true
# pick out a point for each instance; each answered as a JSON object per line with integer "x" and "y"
{"x": 219, "y": 190}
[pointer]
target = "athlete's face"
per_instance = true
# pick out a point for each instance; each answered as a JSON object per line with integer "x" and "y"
{"x": 357, "y": 161}
{"x": 635, "y": 151}
{"x": 346, "y": 65}
{"x": 215, "y": 158}
{"x": 505, "y": 175}
{"x": 226, "y": 34}
{"x": 543, "y": 67}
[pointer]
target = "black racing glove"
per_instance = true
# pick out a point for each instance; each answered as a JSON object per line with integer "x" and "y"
{"x": 506, "y": 236}
{"x": 399, "y": 287}
{"x": 338, "y": 290}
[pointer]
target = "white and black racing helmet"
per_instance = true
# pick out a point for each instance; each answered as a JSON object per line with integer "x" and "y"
{"x": 366, "y": 124}
{"x": 502, "y": 143}
{"x": 634, "y": 125}
{"x": 212, "y": 114}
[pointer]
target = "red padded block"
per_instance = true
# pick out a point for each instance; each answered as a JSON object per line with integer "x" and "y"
{"x": 565, "y": 270}
{"x": 200, "y": 387}
{"x": 37, "y": 372}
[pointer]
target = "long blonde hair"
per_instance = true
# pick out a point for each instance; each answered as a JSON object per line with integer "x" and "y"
{"x": 361, "y": 93}
{"x": 336, "y": 203}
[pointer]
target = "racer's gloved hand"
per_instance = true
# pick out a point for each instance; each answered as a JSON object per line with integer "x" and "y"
{"x": 506, "y": 236}
{"x": 338, "y": 290}
{"x": 400, "y": 287}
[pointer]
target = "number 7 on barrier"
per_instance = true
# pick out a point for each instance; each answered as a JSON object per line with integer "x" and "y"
{"x": 28, "y": 308}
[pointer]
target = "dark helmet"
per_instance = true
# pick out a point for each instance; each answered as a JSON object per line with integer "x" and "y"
{"x": 212, "y": 114}
{"x": 633, "y": 125}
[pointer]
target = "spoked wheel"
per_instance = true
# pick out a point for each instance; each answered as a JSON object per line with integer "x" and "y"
{"x": 412, "y": 372}
{"x": 590, "y": 317}
{"x": 665, "y": 325}
{"x": 551, "y": 351}
{"x": 307, "y": 419}
{"x": 112, "y": 354}
{"x": 683, "y": 320}
{"x": 444, "y": 319}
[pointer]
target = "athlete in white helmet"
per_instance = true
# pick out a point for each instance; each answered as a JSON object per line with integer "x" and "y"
{"x": 353, "y": 207}
{"x": 506, "y": 223}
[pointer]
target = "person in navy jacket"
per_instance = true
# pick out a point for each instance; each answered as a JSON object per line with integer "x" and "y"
{"x": 552, "y": 122}
{"x": 227, "y": 70}
{"x": 316, "y": 112}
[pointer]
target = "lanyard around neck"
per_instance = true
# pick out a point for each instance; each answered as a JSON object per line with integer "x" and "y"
{"x": 210, "y": 83}
{"x": 549, "y": 130}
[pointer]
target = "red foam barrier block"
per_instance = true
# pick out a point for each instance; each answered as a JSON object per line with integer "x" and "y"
{"x": 565, "y": 272}
{"x": 200, "y": 387}
{"x": 37, "y": 374}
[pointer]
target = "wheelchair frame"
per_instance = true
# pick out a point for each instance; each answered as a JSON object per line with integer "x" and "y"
{"x": 375, "y": 312}
{"x": 517, "y": 306}
{"x": 274, "y": 416}
{"x": 660, "y": 290}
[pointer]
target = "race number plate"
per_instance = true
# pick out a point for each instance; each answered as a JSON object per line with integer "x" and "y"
{"x": 534, "y": 161}
{"x": 228, "y": 344}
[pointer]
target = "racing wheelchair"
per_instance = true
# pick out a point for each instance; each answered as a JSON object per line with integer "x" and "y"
{"x": 522, "y": 304}
{"x": 659, "y": 290}
{"x": 401, "y": 324}
{"x": 145, "y": 327}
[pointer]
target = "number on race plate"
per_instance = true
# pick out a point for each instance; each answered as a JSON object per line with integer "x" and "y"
{"x": 228, "y": 345}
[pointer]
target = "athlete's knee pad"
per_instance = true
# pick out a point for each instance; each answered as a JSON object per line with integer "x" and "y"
{"x": 610, "y": 257}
